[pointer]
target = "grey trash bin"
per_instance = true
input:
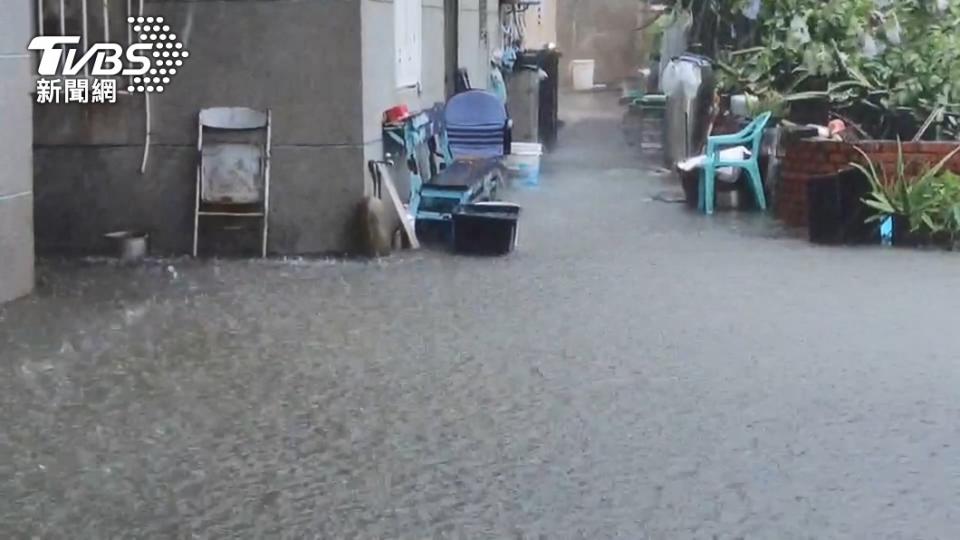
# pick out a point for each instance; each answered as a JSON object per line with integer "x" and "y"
{"x": 523, "y": 91}
{"x": 689, "y": 85}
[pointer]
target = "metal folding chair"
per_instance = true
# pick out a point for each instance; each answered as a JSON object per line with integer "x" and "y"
{"x": 233, "y": 178}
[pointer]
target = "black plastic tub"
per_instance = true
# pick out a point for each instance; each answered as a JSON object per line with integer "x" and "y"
{"x": 836, "y": 211}
{"x": 486, "y": 228}
{"x": 433, "y": 231}
{"x": 903, "y": 236}
{"x": 825, "y": 219}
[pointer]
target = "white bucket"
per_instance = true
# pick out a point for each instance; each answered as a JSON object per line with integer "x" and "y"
{"x": 582, "y": 74}
{"x": 524, "y": 162}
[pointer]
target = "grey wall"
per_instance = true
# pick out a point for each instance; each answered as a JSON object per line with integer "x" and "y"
{"x": 380, "y": 91}
{"x": 541, "y": 24}
{"x": 16, "y": 178}
{"x": 476, "y": 46}
{"x": 300, "y": 59}
{"x": 601, "y": 30}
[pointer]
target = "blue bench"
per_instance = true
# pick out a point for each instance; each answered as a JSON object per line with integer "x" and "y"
{"x": 461, "y": 182}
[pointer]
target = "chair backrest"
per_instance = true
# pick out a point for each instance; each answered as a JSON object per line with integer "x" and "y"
{"x": 755, "y": 131}
{"x": 476, "y": 123}
{"x": 233, "y": 171}
{"x": 233, "y": 118}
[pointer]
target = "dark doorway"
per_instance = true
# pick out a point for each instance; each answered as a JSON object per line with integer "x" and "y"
{"x": 451, "y": 31}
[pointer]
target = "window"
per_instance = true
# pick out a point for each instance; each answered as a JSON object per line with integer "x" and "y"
{"x": 407, "y": 17}
{"x": 92, "y": 20}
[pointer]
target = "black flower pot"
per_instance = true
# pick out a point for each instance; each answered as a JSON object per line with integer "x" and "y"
{"x": 904, "y": 125}
{"x": 825, "y": 210}
{"x": 837, "y": 213}
{"x": 942, "y": 240}
{"x": 854, "y": 187}
{"x": 902, "y": 235}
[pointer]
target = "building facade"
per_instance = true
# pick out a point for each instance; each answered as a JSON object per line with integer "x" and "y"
{"x": 541, "y": 24}
{"x": 16, "y": 166}
{"x": 327, "y": 69}
{"x": 605, "y": 32}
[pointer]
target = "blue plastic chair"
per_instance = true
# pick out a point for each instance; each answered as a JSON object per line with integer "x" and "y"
{"x": 750, "y": 137}
{"x": 476, "y": 123}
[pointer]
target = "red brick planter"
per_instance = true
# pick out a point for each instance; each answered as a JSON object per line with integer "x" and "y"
{"x": 806, "y": 158}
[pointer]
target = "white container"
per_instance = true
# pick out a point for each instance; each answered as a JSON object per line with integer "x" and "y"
{"x": 740, "y": 104}
{"x": 524, "y": 162}
{"x": 582, "y": 74}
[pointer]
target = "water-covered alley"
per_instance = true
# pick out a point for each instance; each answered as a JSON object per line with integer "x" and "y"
{"x": 635, "y": 370}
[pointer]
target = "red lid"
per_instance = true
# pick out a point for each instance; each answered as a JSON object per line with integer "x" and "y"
{"x": 396, "y": 114}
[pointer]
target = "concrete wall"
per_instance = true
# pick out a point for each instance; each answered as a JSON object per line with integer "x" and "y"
{"x": 301, "y": 59}
{"x": 16, "y": 179}
{"x": 476, "y": 44}
{"x": 541, "y": 24}
{"x": 327, "y": 85}
{"x": 603, "y": 31}
{"x": 380, "y": 90}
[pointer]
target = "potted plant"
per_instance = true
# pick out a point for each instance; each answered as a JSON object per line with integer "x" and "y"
{"x": 944, "y": 222}
{"x": 921, "y": 206}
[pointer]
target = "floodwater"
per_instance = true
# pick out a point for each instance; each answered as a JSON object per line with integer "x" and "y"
{"x": 634, "y": 371}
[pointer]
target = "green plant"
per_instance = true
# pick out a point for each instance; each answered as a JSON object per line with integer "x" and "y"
{"x": 878, "y": 59}
{"x": 772, "y": 102}
{"x": 949, "y": 204}
{"x": 943, "y": 206}
{"x": 929, "y": 201}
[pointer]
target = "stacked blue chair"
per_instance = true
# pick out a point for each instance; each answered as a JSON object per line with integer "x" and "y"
{"x": 476, "y": 123}
{"x": 476, "y": 127}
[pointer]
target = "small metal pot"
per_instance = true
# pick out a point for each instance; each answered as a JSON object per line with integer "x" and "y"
{"x": 130, "y": 246}
{"x": 729, "y": 199}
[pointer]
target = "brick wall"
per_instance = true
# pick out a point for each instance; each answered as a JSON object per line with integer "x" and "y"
{"x": 806, "y": 158}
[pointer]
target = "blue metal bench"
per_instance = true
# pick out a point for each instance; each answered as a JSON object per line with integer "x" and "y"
{"x": 460, "y": 183}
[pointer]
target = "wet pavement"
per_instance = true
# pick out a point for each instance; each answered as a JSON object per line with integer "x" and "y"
{"x": 634, "y": 371}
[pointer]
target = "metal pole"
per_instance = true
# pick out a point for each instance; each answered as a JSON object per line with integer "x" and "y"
{"x": 129, "y": 33}
{"x": 148, "y": 128}
{"x": 39, "y": 17}
{"x": 106, "y": 21}
{"x": 86, "y": 31}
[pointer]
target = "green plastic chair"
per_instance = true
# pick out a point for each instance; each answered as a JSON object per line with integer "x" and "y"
{"x": 648, "y": 101}
{"x": 750, "y": 137}
{"x": 649, "y": 109}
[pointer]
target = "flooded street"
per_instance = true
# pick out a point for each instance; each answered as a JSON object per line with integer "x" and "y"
{"x": 634, "y": 371}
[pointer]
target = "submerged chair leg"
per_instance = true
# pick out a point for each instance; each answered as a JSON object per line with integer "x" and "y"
{"x": 753, "y": 170}
{"x": 701, "y": 189}
{"x": 709, "y": 189}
